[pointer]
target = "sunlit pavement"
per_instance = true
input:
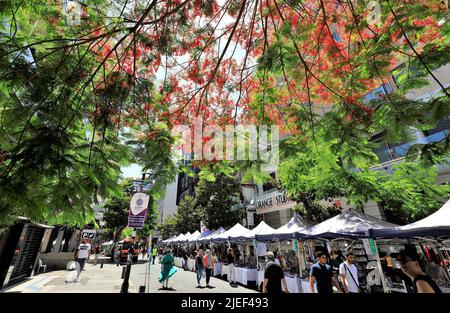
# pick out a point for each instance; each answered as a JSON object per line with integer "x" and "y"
{"x": 108, "y": 280}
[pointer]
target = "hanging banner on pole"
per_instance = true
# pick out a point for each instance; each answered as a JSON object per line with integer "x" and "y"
{"x": 138, "y": 210}
{"x": 295, "y": 245}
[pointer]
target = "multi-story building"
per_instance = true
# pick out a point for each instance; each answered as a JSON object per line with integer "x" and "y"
{"x": 182, "y": 186}
{"x": 271, "y": 205}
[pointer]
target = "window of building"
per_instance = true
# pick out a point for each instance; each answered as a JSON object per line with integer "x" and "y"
{"x": 336, "y": 36}
{"x": 439, "y": 133}
{"x": 269, "y": 185}
{"x": 377, "y": 93}
{"x": 389, "y": 151}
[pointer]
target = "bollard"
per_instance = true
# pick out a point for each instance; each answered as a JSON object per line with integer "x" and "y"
{"x": 101, "y": 265}
{"x": 125, "y": 283}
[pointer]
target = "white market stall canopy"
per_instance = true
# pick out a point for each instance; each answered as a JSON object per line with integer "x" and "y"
{"x": 261, "y": 229}
{"x": 235, "y": 231}
{"x": 181, "y": 237}
{"x": 435, "y": 225}
{"x": 169, "y": 240}
{"x": 350, "y": 223}
{"x": 176, "y": 238}
{"x": 193, "y": 237}
{"x": 296, "y": 224}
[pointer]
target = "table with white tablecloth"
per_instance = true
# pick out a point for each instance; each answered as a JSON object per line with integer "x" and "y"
{"x": 244, "y": 275}
{"x": 224, "y": 270}
{"x": 305, "y": 286}
{"x": 191, "y": 264}
{"x": 295, "y": 285}
{"x": 178, "y": 261}
{"x": 218, "y": 268}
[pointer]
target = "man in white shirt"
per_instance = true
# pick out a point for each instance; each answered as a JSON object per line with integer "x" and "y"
{"x": 349, "y": 274}
{"x": 83, "y": 252}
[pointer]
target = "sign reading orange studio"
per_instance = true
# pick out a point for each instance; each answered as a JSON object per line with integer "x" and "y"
{"x": 274, "y": 201}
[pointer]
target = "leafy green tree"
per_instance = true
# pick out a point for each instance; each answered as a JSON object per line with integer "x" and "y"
{"x": 189, "y": 215}
{"x": 169, "y": 227}
{"x": 116, "y": 215}
{"x": 217, "y": 199}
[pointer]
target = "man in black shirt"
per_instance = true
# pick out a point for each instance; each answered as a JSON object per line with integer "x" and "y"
{"x": 273, "y": 276}
{"x": 322, "y": 277}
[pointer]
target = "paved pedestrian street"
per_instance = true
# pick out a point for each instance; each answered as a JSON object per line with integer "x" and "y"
{"x": 108, "y": 280}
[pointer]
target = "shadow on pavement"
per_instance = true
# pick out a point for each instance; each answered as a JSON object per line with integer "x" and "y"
{"x": 167, "y": 289}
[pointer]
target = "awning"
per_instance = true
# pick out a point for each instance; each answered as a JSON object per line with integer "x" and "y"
{"x": 435, "y": 225}
{"x": 261, "y": 229}
{"x": 235, "y": 231}
{"x": 193, "y": 237}
{"x": 296, "y": 224}
{"x": 349, "y": 224}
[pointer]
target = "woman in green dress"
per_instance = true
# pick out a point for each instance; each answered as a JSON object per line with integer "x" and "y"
{"x": 167, "y": 269}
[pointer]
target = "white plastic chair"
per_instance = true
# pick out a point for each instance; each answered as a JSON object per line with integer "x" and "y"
{"x": 41, "y": 267}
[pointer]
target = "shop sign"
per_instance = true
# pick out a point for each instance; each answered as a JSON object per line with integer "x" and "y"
{"x": 373, "y": 247}
{"x": 369, "y": 246}
{"x": 295, "y": 243}
{"x": 88, "y": 234}
{"x": 274, "y": 201}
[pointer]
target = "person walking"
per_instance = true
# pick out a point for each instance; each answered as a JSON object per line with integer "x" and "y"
{"x": 167, "y": 269}
{"x": 97, "y": 253}
{"x": 231, "y": 273}
{"x": 209, "y": 266}
{"x": 349, "y": 274}
{"x": 185, "y": 261}
{"x": 322, "y": 277}
{"x": 143, "y": 249}
{"x": 409, "y": 263}
{"x": 83, "y": 253}
{"x": 154, "y": 254}
{"x": 199, "y": 267}
{"x": 273, "y": 276}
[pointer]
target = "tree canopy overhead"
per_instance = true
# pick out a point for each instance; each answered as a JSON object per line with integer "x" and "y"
{"x": 87, "y": 87}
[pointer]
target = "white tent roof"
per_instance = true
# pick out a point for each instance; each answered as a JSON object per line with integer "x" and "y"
{"x": 194, "y": 236}
{"x": 181, "y": 237}
{"x": 439, "y": 218}
{"x": 185, "y": 237}
{"x": 176, "y": 238}
{"x": 261, "y": 229}
{"x": 235, "y": 231}
{"x": 170, "y": 239}
{"x": 287, "y": 231}
{"x": 435, "y": 225}
{"x": 350, "y": 223}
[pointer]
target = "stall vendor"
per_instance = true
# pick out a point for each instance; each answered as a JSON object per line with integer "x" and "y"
{"x": 251, "y": 259}
{"x": 292, "y": 262}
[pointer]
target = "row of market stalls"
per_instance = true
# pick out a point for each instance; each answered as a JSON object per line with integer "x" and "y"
{"x": 374, "y": 242}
